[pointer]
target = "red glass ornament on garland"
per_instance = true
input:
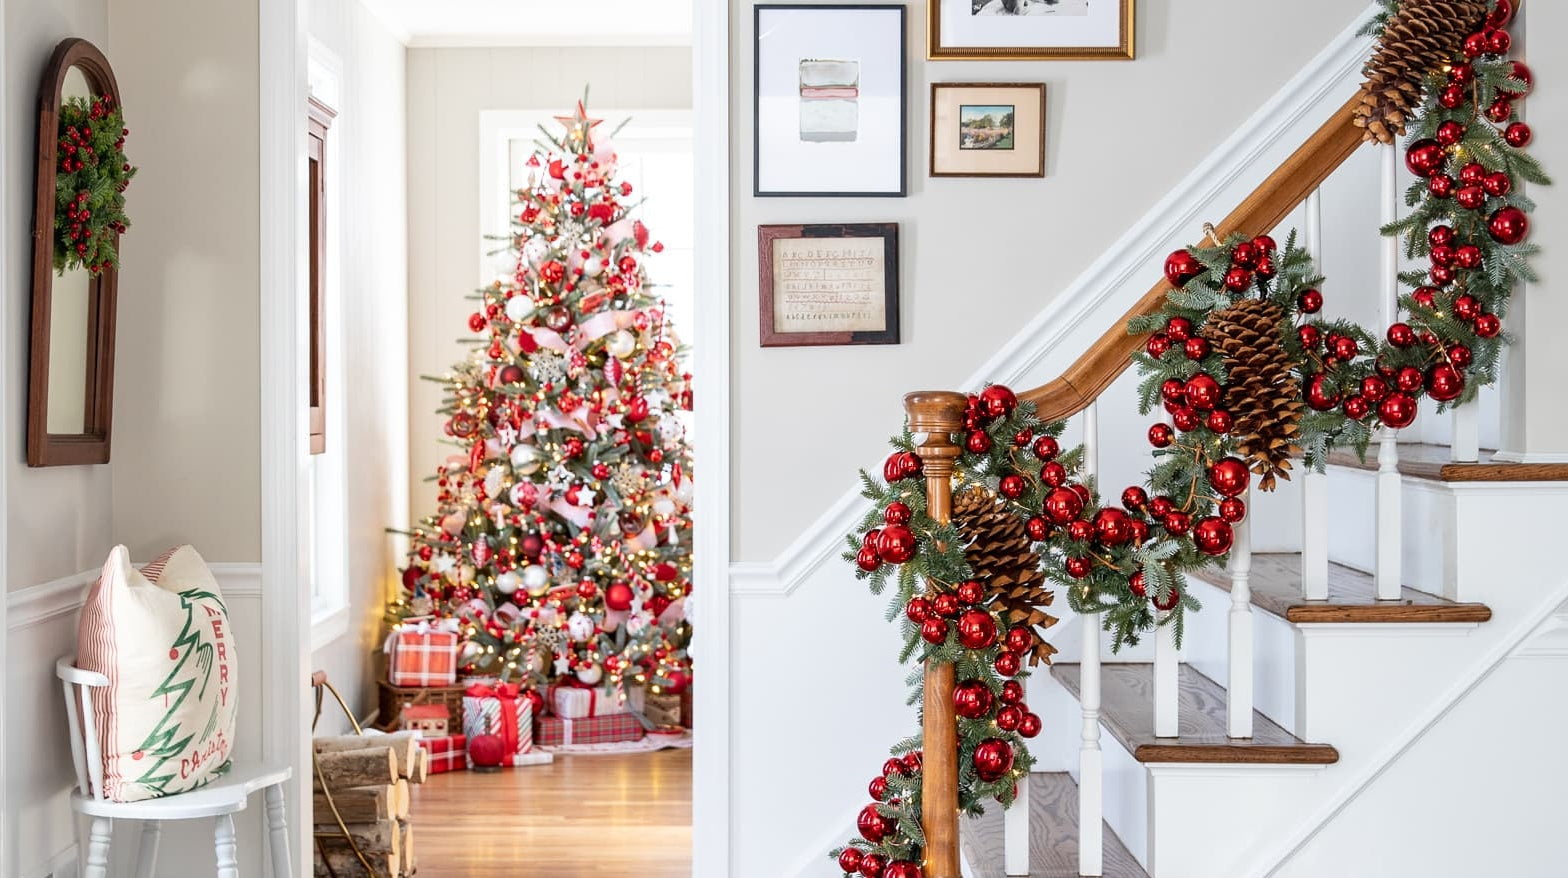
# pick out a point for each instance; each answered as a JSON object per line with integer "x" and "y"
{"x": 1374, "y": 388}
{"x": 1357, "y": 408}
{"x": 897, "y": 544}
{"x": 1173, "y": 391}
{"x": 972, "y": 699}
{"x": 872, "y": 825}
{"x": 1232, "y": 509}
{"x": 977, "y": 442}
{"x": 1444, "y": 383}
{"x": 1237, "y": 279}
{"x": 1460, "y": 355}
{"x": 897, "y": 513}
{"x": 1518, "y": 135}
{"x": 1030, "y": 726}
{"x": 1398, "y": 410}
{"x": 1508, "y": 226}
{"x": 872, "y": 866}
{"x": 1157, "y": 345}
{"x": 877, "y": 788}
{"x": 1467, "y": 308}
{"x": 1488, "y": 326}
{"x": 1008, "y": 718}
{"x": 1450, "y": 133}
{"x": 849, "y": 860}
{"x": 1498, "y": 42}
{"x": 1012, "y": 692}
{"x": 977, "y": 629}
{"x": 1497, "y": 184}
{"x": 970, "y": 591}
{"x": 912, "y": 762}
{"x": 1408, "y": 379}
{"x": 1012, "y": 486}
{"x": 1475, "y": 45}
{"x": 1196, "y": 348}
{"x": 1501, "y": 14}
{"x": 1007, "y": 663}
{"x": 918, "y": 609}
{"x": 934, "y": 631}
{"x": 1134, "y": 498}
{"x": 1169, "y": 602}
{"x": 1181, "y": 267}
{"x": 1425, "y": 158}
{"x": 1213, "y": 536}
{"x": 1309, "y": 302}
{"x": 1186, "y": 419}
{"x": 1203, "y": 392}
{"x": 1046, "y": 448}
{"x": 1019, "y": 639}
{"x": 1319, "y": 396}
{"x": 902, "y": 869}
{"x": 1470, "y": 197}
{"x": 946, "y": 605}
{"x": 1053, "y": 474}
{"x": 1245, "y": 254}
{"x": 1229, "y": 476}
{"x": 1179, "y": 329}
{"x": 1135, "y": 584}
{"x": 1111, "y": 526}
{"x": 1177, "y": 523}
{"x": 993, "y": 758}
{"x": 1309, "y": 336}
{"x": 1063, "y": 505}
{"x": 1440, "y": 186}
{"x": 997, "y": 401}
{"x": 1081, "y": 531}
{"x": 1038, "y": 528}
{"x": 1400, "y": 335}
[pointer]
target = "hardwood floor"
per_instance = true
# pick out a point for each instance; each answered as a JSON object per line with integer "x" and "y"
{"x": 620, "y": 816}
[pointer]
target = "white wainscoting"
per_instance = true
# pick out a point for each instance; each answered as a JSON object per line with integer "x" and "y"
{"x": 41, "y": 623}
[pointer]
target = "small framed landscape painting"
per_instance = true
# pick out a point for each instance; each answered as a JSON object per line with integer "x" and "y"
{"x": 1029, "y": 30}
{"x": 828, "y": 284}
{"x": 987, "y": 129}
{"x": 829, "y": 101}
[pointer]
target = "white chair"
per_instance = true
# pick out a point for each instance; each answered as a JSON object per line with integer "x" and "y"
{"x": 219, "y": 800}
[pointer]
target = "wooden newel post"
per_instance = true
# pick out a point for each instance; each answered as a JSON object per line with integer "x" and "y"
{"x": 933, "y": 417}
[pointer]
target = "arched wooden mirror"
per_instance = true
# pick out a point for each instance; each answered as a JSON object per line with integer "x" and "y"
{"x": 70, "y": 393}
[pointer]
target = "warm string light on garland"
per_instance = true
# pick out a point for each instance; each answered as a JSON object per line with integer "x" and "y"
{"x": 1249, "y": 377}
{"x": 562, "y": 536}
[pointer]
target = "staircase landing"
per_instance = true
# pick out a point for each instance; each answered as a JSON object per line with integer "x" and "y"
{"x": 1053, "y": 835}
{"x": 1127, "y": 712}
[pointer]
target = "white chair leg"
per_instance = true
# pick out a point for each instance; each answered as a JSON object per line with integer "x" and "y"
{"x": 226, "y": 846}
{"x": 278, "y": 832}
{"x": 147, "y": 855}
{"x": 98, "y": 835}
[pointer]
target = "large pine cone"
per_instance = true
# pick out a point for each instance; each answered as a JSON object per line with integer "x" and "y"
{"x": 1004, "y": 560}
{"x": 1263, "y": 396}
{"x": 1421, "y": 37}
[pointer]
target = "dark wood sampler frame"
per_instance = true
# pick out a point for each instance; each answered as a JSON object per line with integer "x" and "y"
{"x": 772, "y": 338}
{"x": 92, "y": 444}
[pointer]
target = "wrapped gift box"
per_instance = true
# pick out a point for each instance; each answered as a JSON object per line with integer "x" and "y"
{"x": 501, "y": 710}
{"x": 557, "y": 731}
{"x": 446, "y": 754}
{"x": 581, "y": 702}
{"x": 663, "y": 710}
{"x": 421, "y": 654}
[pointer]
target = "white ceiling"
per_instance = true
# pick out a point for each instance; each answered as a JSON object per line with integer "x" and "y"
{"x": 537, "y": 22}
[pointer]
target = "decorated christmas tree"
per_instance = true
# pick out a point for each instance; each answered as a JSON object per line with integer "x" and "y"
{"x": 562, "y": 537}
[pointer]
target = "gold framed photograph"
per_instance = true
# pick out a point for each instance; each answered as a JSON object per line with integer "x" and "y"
{"x": 1029, "y": 30}
{"x": 988, "y": 129}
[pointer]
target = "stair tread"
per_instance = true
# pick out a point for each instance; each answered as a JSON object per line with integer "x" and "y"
{"x": 1127, "y": 711}
{"x": 1424, "y": 460}
{"x": 1352, "y": 595}
{"x": 1053, "y": 835}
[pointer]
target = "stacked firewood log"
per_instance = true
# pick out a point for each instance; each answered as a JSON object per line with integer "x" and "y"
{"x": 368, "y": 779}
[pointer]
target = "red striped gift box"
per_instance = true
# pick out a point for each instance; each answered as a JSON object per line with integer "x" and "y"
{"x": 446, "y": 754}
{"x": 553, "y": 731}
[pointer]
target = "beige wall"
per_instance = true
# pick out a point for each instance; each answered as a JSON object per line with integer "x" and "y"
{"x": 368, "y": 139}
{"x": 1119, "y": 136}
{"x": 57, "y": 518}
{"x": 447, "y": 89}
{"x": 187, "y": 407}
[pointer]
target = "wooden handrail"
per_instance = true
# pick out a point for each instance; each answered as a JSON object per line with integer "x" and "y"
{"x": 1262, "y": 210}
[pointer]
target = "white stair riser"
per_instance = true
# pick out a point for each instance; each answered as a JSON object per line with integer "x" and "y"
{"x": 1208, "y": 821}
{"x": 1273, "y": 650}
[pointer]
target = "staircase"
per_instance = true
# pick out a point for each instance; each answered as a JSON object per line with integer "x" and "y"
{"x": 1367, "y": 615}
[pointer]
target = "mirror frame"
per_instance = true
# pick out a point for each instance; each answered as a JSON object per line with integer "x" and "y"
{"x": 92, "y": 444}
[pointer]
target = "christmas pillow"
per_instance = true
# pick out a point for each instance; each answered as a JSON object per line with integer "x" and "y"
{"x": 161, "y": 635}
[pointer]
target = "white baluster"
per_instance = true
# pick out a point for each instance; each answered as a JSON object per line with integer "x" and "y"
{"x": 1466, "y": 446}
{"x": 1091, "y": 792}
{"x": 1238, "y": 723}
{"x": 1015, "y": 845}
{"x": 1389, "y": 512}
{"x": 1314, "y": 485}
{"x": 1167, "y": 676}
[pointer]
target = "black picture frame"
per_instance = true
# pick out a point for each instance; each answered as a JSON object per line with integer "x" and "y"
{"x": 768, "y": 238}
{"x": 758, "y": 14}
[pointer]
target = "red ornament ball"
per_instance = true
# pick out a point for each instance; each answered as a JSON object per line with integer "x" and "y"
{"x": 1053, "y": 474}
{"x": 997, "y": 401}
{"x": 977, "y": 629}
{"x": 1012, "y": 486}
{"x": 1136, "y": 585}
{"x": 1488, "y": 325}
{"x": 1237, "y": 279}
{"x": 1177, "y": 523}
{"x": 1426, "y": 297}
{"x": 1425, "y": 158}
{"x": 946, "y": 605}
{"x": 849, "y": 860}
{"x": 1344, "y": 348}
{"x": 618, "y": 596}
{"x": 1309, "y": 336}
{"x": 970, "y": 591}
{"x": 1023, "y": 438}
{"x": 1229, "y": 476}
{"x": 1157, "y": 345}
{"x": 934, "y": 631}
{"x": 1400, "y": 335}
{"x": 1077, "y": 568}
{"x": 1019, "y": 639}
{"x": 902, "y": 869}
{"x": 1046, "y": 448}
{"x": 1232, "y": 509}
{"x": 1173, "y": 391}
{"x": 896, "y": 544}
{"x": 1408, "y": 379}
{"x": 1179, "y": 329}
{"x": 1472, "y": 173}
{"x": 867, "y": 559}
{"x": 1081, "y": 531}
{"x": 1246, "y": 255}
{"x": 1356, "y": 408}
{"x": 1470, "y": 197}
{"x": 877, "y": 788}
{"x": 1460, "y": 356}
{"x": 873, "y": 866}
{"x": 1030, "y": 726}
{"x": 1498, "y": 42}
{"x": 1374, "y": 388}
{"x": 1467, "y": 308}
{"x": 1063, "y": 505}
{"x": 1440, "y": 185}
{"x": 1012, "y": 692}
{"x": 1008, "y": 718}
{"x": 1111, "y": 526}
{"x": 1309, "y": 302}
{"x": 873, "y": 826}
{"x": 1038, "y": 528}
{"x": 1007, "y": 663}
{"x": 1440, "y": 235}
{"x": 476, "y": 322}
{"x": 1134, "y": 498}
{"x": 1196, "y": 348}
{"x": 972, "y": 699}
{"x": 1319, "y": 395}
{"x": 1213, "y": 536}
{"x": 1501, "y": 14}
{"x": 1508, "y": 225}
{"x": 1186, "y": 419}
{"x": 1181, "y": 267}
{"x": 1444, "y": 383}
{"x": 1168, "y": 602}
{"x": 1497, "y": 184}
{"x": 1475, "y": 45}
{"x": 1442, "y": 254}
{"x": 510, "y": 374}
{"x": 977, "y": 442}
{"x": 897, "y": 513}
{"x": 1159, "y": 507}
{"x": 918, "y": 609}
{"x": 1398, "y": 410}
{"x": 486, "y": 751}
{"x": 1518, "y": 135}
{"x": 993, "y": 758}
{"x": 1203, "y": 392}
{"x": 1450, "y": 133}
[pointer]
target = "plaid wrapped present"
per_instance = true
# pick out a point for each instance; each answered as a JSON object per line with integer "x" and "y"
{"x": 556, "y": 731}
{"x": 446, "y": 754}
{"x": 422, "y": 654}
{"x": 500, "y": 710}
{"x": 580, "y": 702}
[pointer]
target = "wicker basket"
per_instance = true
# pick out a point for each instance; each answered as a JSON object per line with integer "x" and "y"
{"x": 393, "y": 698}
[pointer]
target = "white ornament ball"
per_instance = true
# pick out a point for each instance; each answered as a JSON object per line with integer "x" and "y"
{"x": 579, "y": 626}
{"x": 621, "y": 344}
{"x": 637, "y": 624}
{"x": 508, "y": 582}
{"x": 468, "y": 652}
{"x": 536, "y": 580}
{"x": 590, "y": 674}
{"x": 525, "y": 458}
{"x": 518, "y": 308}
